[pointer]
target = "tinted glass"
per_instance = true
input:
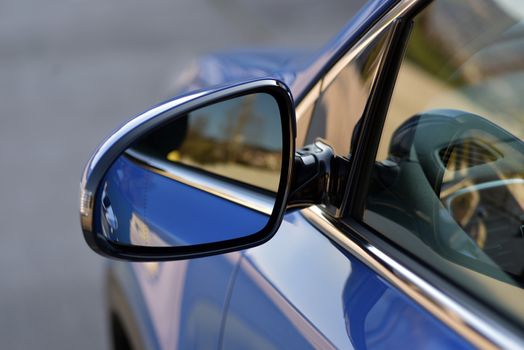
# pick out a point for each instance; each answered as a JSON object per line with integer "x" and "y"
{"x": 448, "y": 183}
{"x": 341, "y": 105}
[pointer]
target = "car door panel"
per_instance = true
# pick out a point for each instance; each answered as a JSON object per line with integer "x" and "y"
{"x": 185, "y": 300}
{"x": 204, "y": 299}
{"x": 300, "y": 290}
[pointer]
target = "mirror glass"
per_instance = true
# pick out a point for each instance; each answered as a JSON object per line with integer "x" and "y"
{"x": 207, "y": 176}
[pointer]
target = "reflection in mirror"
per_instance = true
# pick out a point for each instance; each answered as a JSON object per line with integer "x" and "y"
{"x": 208, "y": 176}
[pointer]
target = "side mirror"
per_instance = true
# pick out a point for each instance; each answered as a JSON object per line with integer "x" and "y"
{"x": 203, "y": 174}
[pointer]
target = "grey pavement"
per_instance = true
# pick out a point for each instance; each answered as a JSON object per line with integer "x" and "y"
{"x": 70, "y": 72}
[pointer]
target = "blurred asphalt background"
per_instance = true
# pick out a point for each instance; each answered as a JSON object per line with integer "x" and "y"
{"x": 70, "y": 72}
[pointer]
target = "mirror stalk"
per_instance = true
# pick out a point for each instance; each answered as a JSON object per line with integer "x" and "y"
{"x": 318, "y": 178}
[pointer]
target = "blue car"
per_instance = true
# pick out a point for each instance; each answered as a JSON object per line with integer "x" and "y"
{"x": 367, "y": 196}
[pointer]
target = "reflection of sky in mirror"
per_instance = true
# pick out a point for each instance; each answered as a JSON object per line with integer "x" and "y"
{"x": 262, "y": 130}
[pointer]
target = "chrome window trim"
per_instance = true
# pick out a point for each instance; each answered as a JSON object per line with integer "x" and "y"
{"x": 226, "y": 190}
{"x": 482, "y": 332}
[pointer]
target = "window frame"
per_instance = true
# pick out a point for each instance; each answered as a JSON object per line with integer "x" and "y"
{"x": 469, "y": 317}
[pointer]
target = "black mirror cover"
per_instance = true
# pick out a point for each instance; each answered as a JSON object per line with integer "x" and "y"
{"x": 92, "y": 196}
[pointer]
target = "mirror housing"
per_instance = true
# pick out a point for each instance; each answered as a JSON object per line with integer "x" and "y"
{"x": 94, "y": 186}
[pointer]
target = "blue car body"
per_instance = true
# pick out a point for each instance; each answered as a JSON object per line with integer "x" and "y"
{"x": 299, "y": 290}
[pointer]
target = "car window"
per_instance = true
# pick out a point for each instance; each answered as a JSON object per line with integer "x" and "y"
{"x": 342, "y": 103}
{"x": 448, "y": 181}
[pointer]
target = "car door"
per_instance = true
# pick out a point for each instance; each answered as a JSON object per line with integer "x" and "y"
{"x": 426, "y": 247}
{"x": 312, "y": 286}
{"x": 421, "y": 244}
{"x": 445, "y": 180}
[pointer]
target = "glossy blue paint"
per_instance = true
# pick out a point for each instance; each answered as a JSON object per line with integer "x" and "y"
{"x": 173, "y": 213}
{"x": 123, "y": 282}
{"x": 299, "y": 290}
{"x": 185, "y": 300}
